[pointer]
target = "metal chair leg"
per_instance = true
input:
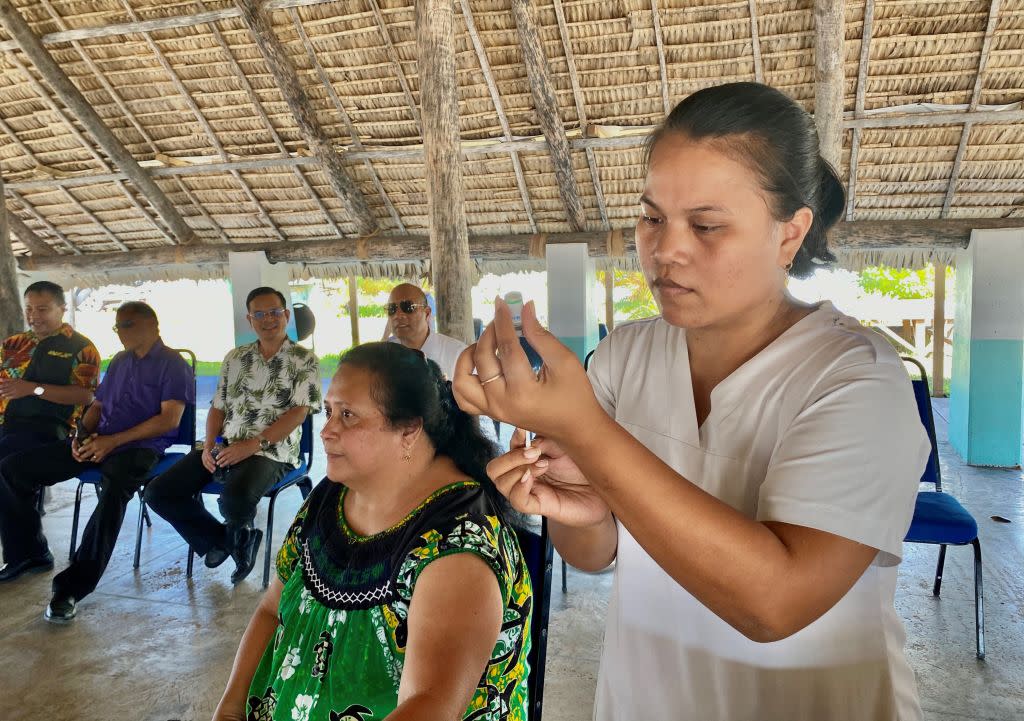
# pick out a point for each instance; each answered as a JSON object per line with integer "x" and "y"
{"x": 305, "y": 487}
{"x": 138, "y": 529}
{"x": 270, "y": 531}
{"x": 938, "y": 570}
{"x": 188, "y": 566}
{"x": 74, "y": 520}
{"x": 979, "y": 600}
{"x": 564, "y": 587}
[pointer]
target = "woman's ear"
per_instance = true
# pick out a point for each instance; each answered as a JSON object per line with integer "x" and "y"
{"x": 411, "y": 432}
{"x": 793, "y": 232}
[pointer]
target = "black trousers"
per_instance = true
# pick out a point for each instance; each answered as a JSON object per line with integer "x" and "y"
{"x": 21, "y": 531}
{"x": 14, "y": 441}
{"x": 173, "y": 496}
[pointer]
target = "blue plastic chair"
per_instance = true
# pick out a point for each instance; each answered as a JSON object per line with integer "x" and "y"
{"x": 939, "y": 519}
{"x": 538, "y": 553}
{"x": 295, "y": 477}
{"x": 186, "y": 437}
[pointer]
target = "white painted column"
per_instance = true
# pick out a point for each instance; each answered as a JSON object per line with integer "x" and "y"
{"x": 250, "y": 270}
{"x": 987, "y": 389}
{"x": 571, "y": 279}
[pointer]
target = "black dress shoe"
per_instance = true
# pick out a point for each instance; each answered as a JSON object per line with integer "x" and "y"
{"x": 62, "y": 609}
{"x": 245, "y": 555}
{"x": 215, "y": 556}
{"x": 11, "y": 571}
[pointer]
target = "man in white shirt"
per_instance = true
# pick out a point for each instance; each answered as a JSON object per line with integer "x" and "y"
{"x": 409, "y": 319}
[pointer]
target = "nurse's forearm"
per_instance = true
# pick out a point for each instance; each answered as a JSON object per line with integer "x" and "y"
{"x": 767, "y": 580}
{"x": 589, "y": 549}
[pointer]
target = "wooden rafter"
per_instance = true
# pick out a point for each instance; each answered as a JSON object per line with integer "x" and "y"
{"x": 340, "y": 107}
{"x": 396, "y": 61}
{"x": 867, "y": 29}
{"x": 755, "y": 39}
{"x": 72, "y": 97}
{"x": 288, "y": 82}
{"x": 581, "y": 113}
{"x": 828, "y": 78}
{"x": 126, "y": 111}
{"x": 27, "y": 236}
{"x": 39, "y": 218}
{"x": 965, "y": 134}
{"x": 548, "y": 116}
{"x": 449, "y": 239}
{"x": 62, "y": 115}
{"x": 856, "y": 235}
{"x": 660, "y": 45}
{"x": 158, "y": 24}
{"x": 499, "y": 108}
{"x": 203, "y": 122}
{"x": 261, "y": 111}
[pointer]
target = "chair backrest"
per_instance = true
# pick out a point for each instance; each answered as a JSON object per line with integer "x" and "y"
{"x": 922, "y": 395}
{"x": 306, "y": 441}
{"x": 537, "y": 552}
{"x": 586, "y": 360}
{"x": 187, "y": 425}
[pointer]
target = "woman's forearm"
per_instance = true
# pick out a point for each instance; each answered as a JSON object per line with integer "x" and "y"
{"x": 255, "y": 640}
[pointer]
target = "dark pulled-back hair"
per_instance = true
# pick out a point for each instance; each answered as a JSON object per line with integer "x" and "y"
{"x": 407, "y": 387}
{"x": 773, "y": 136}
{"x": 46, "y": 286}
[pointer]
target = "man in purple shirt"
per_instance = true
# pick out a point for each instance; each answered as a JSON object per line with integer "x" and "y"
{"x": 124, "y": 432}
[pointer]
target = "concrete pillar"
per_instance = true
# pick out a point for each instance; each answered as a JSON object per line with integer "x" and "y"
{"x": 248, "y": 271}
{"x": 571, "y": 280}
{"x": 987, "y": 388}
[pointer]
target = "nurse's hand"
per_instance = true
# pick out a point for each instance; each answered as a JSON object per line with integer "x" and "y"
{"x": 555, "y": 402}
{"x": 543, "y": 480}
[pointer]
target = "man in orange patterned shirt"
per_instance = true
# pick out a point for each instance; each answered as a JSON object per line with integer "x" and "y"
{"x": 47, "y": 376}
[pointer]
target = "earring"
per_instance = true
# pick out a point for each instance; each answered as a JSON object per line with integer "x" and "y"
{"x": 788, "y": 266}
{"x": 408, "y": 455}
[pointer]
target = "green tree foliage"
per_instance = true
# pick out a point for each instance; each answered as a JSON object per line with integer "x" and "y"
{"x": 900, "y": 282}
{"x": 638, "y": 301}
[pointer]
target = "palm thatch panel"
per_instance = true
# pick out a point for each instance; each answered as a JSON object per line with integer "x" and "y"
{"x": 200, "y": 93}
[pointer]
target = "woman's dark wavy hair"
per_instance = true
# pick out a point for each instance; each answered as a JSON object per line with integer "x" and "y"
{"x": 407, "y": 387}
{"x": 773, "y": 136}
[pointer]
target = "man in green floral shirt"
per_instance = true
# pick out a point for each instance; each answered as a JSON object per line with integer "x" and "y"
{"x": 266, "y": 389}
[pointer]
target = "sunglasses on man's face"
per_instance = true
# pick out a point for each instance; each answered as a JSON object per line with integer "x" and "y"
{"x": 406, "y": 306}
{"x": 261, "y": 314}
{"x": 123, "y": 325}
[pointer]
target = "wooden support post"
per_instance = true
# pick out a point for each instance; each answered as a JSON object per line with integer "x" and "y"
{"x": 353, "y": 306}
{"x": 828, "y": 78}
{"x": 546, "y": 104}
{"x": 287, "y": 78}
{"x": 83, "y": 111}
{"x": 939, "y": 333}
{"x": 449, "y": 237}
{"x": 609, "y": 299}
{"x": 10, "y": 300}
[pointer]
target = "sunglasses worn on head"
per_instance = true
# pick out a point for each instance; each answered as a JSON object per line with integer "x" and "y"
{"x": 261, "y": 314}
{"x": 406, "y": 306}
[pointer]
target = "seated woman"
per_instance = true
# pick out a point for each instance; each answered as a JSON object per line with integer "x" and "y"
{"x": 386, "y": 605}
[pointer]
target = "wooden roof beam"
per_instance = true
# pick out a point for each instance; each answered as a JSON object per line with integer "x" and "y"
{"x": 449, "y": 236}
{"x": 867, "y": 29}
{"x": 90, "y": 119}
{"x": 548, "y": 116}
{"x": 288, "y": 82}
{"x": 828, "y": 78}
{"x": 581, "y": 112}
{"x": 492, "y": 87}
{"x": 36, "y": 245}
{"x": 660, "y": 45}
{"x": 856, "y": 235}
{"x": 396, "y": 62}
{"x": 755, "y": 39}
{"x": 39, "y": 218}
{"x": 965, "y": 134}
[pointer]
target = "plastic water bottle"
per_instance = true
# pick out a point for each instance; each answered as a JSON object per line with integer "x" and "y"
{"x": 219, "y": 444}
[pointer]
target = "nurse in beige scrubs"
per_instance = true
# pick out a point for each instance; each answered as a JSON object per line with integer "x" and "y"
{"x": 750, "y": 461}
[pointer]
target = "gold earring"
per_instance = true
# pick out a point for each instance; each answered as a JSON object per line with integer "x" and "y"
{"x": 788, "y": 266}
{"x": 408, "y": 455}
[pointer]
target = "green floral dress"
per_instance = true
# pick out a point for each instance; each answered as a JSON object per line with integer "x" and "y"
{"x": 340, "y": 646}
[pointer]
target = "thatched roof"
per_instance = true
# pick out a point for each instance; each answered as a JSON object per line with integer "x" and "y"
{"x": 934, "y": 123}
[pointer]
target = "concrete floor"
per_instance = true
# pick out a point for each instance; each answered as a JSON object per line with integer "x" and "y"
{"x": 149, "y": 645}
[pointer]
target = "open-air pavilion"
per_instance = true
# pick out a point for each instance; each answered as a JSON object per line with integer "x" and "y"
{"x": 146, "y": 140}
